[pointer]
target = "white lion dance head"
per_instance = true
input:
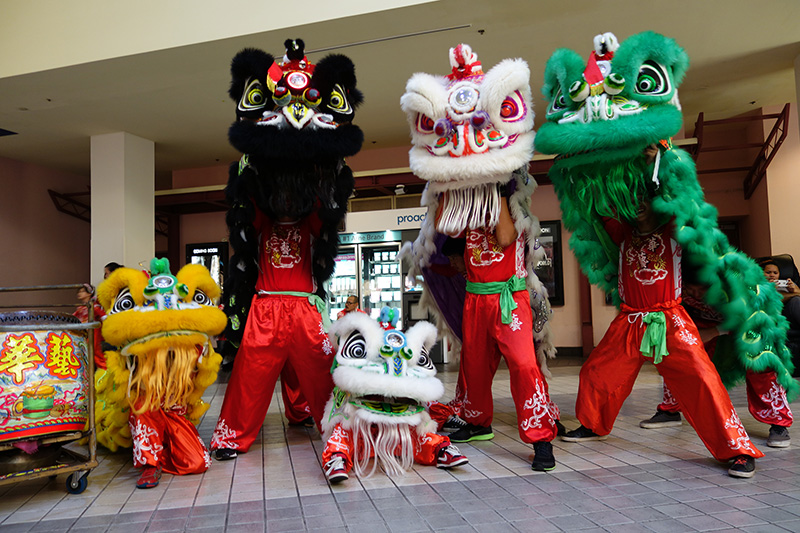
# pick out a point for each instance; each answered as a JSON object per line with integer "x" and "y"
{"x": 383, "y": 379}
{"x": 469, "y": 131}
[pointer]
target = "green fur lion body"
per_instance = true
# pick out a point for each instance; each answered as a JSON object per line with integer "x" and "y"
{"x": 594, "y": 173}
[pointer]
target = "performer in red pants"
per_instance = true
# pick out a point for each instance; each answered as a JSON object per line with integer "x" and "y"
{"x": 284, "y": 323}
{"x": 766, "y": 399}
{"x": 653, "y": 324}
{"x": 168, "y": 441}
{"x": 497, "y": 321}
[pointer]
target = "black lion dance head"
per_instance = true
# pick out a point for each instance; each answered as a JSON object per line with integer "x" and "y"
{"x": 294, "y": 128}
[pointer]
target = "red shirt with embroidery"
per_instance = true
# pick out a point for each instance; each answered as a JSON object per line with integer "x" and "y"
{"x": 649, "y": 265}
{"x": 487, "y": 261}
{"x": 285, "y": 258}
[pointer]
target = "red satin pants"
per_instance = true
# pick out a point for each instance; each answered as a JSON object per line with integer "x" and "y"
{"x": 608, "y": 375}
{"x": 279, "y": 328}
{"x": 167, "y": 439}
{"x": 485, "y": 340}
{"x": 766, "y": 400}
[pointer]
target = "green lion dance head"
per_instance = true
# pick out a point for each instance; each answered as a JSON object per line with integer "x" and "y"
{"x": 609, "y": 122}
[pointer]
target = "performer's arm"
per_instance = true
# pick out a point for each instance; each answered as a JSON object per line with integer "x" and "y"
{"x": 506, "y": 231}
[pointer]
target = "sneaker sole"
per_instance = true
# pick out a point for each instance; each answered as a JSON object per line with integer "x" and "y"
{"x": 779, "y": 444}
{"x": 583, "y": 439}
{"x": 743, "y": 475}
{"x": 488, "y": 436}
{"x": 338, "y": 478}
{"x": 543, "y": 468}
{"x": 656, "y": 425}
{"x": 453, "y": 465}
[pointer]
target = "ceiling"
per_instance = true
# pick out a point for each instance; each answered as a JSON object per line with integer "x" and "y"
{"x": 742, "y": 55}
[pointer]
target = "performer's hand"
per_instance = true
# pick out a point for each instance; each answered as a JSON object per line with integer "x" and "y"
{"x": 650, "y": 153}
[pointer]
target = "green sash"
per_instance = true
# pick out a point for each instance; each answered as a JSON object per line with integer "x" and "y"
{"x": 505, "y": 289}
{"x": 654, "y": 341}
{"x": 313, "y": 299}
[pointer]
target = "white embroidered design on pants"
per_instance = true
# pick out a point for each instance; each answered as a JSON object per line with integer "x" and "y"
{"x": 669, "y": 400}
{"x": 516, "y": 323}
{"x": 327, "y": 347}
{"x": 742, "y": 442}
{"x": 421, "y": 441}
{"x": 338, "y": 439}
{"x": 687, "y": 337}
{"x": 469, "y": 413}
{"x": 141, "y": 435}
{"x": 538, "y": 404}
{"x": 776, "y": 398}
{"x": 206, "y": 455}
{"x": 223, "y": 437}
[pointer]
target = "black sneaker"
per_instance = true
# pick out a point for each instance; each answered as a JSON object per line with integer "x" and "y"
{"x": 225, "y": 454}
{"x": 582, "y": 434}
{"x": 662, "y": 419}
{"x": 778, "y": 437}
{"x": 560, "y": 429}
{"x": 307, "y": 422}
{"x": 543, "y": 458}
{"x": 471, "y": 432}
{"x": 743, "y": 466}
{"x": 454, "y": 423}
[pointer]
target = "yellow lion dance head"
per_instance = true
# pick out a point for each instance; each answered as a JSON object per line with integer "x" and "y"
{"x": 161, "y": 326}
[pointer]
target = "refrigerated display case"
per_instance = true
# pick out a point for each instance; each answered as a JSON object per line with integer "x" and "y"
{"x": 370, "y": 269}
{"x": 212, "y": 255}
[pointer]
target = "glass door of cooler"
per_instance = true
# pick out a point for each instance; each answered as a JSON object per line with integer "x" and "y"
{"x": 381, "y": 279}
{"x": 344, "y": 281}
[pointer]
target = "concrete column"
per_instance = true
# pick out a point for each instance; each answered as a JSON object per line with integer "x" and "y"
{"x": 123, "y": 204}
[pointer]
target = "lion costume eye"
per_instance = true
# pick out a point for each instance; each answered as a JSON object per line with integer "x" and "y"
{"x": 355, "y": 347}
{"x": 653, "y": 79}
{"x": 424, "y": 123}
{"x": 253, "y": 97}
{"x": 513, "y": 108}
{"x": 424, "y": 361}
{"x": 560, "y": 102}
{"x": 123, "y": 302}
{"x": 201, "y": 298}
{"x": 338, "y": 101}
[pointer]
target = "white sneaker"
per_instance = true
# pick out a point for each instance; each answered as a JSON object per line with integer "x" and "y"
{"x": 335, "y": 469}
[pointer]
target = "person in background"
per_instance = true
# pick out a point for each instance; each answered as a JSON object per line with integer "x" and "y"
{"x": 86, "y": 295}
{"x": 788, "y": 291}
{"x": 350, "y": 305}
{"x": 109, "y": 268}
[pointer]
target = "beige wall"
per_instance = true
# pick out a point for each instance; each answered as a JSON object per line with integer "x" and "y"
{"x": 40, "y": 246}
{"x": 783, "y": 190}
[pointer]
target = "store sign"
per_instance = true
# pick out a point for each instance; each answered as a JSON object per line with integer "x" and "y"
{"x": 394, "y": 219}
{"x": 368, "y": 237}
{"x": 206, "y": 250}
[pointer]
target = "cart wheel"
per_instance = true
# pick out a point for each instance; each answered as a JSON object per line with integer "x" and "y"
{"x": 77, "y": 482}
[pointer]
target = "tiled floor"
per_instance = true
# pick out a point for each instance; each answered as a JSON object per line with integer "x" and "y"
{"x": 638, "y": 480}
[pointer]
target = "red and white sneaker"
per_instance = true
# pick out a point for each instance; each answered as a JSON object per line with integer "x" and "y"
{"x": 335, "y": 469}
{"x": 149, "y": 478}
{"x": 450, "y": 457}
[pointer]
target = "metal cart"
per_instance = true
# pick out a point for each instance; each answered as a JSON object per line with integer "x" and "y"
{"x": 65, "y": 460}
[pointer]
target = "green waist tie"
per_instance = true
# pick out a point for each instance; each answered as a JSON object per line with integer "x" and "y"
{"x": 654, "y": 341}
{"x": 505, "y": 289}
{"x": 313, "y": 299}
